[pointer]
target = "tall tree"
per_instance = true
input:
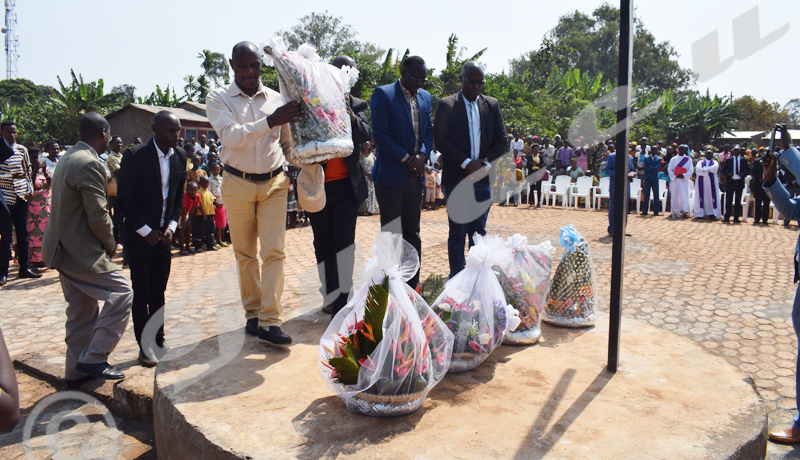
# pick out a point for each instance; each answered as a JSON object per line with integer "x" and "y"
{"x": 793, "y": 108}
{"x": 80, "y": 97}
{"x": 215, "y": 67}
{"x": 329, "y": 35}
{"x": 591, "y": 43}
{"x": 19, "y": 91}
{"x": 128, "y": 93}
{"x": 759, "y": 115}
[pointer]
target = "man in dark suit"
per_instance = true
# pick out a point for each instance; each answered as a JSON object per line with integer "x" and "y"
{"x": 470, "y": 134}
{"x": 762, "y": 200}
{"x": 334, "y": 226}
{"x": 150, "y": 192}
{"x": 735, "y": 169}
{"x": 403, "y": 133}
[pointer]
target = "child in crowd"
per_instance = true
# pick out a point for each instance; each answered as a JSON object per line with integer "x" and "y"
{"x": 215, "y": 187}
{"x": 191, "y": 201}
{"x": 189, "y": 154}
{"x": 430, "y": 188}
{"x": 204, "y": 219}
{"x": 195, "y": 173}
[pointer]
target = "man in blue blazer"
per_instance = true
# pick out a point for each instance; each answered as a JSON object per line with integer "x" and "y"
{"x": 403, "y": 133}
{"x": 790, "y": 208}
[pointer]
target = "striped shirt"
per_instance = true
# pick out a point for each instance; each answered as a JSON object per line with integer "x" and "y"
{"x": 19, "y": 162}
{"x": 411, "y": 99}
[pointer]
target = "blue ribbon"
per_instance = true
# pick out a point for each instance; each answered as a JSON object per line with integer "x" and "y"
{"x": 569, "y": 238}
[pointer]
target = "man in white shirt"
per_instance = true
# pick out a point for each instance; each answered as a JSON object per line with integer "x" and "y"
{"x": 253, "y": 126}
{"x": 680, "y": 172}
{"x": 517, "y": 144}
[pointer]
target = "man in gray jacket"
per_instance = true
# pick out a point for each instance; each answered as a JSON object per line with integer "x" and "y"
{"x": 79, "y": 243}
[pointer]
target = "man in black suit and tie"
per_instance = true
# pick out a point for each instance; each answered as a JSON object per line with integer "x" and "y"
{"x": 735, "y": 169}
{"x": 470, "y": 134}
{"x": 150, "y": 192}
{"x": 334, "y": 226}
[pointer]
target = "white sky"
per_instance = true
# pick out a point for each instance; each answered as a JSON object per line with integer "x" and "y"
{"x": 149, "y": 42}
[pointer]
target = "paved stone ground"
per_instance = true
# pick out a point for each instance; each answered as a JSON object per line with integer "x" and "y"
{"x": 723, "y": 285}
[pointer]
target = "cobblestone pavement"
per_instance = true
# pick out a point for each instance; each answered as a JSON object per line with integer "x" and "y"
{"x": 726, "y": 286}
{"x": 71, "y": 428}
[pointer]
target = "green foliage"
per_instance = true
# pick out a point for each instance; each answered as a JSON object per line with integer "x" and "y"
{"x": 166, "y": 98}
{"x": 759, "y": 116}
{"x": 20, "y": 91}
{"x": 591, "y": 44}
{"x": 78, "y": 98}
{"x": 793, "y": 108}
{"x": 330, "y": 36}
{"x": 127, "y": 93}
{"x": 215, "y": 67}
{"x": 269, "y": 78}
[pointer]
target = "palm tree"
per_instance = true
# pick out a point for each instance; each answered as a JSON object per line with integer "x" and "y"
{"x": 215, "y": 66}
{"x": 166, "y": 98}
{"x": 191, "y": 87}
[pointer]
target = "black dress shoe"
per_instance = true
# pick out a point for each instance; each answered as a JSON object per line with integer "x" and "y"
{"x": 146, "y": 361}
{"x": 274, "y": 335}
{"x": 75, "y": 383}
{"x": 28, "y": 274}
{"x": 327, "y": 309}
{"x": 3, "y": 280}
{"x": 100, "y": 371}
{"x": 251, "y": 327}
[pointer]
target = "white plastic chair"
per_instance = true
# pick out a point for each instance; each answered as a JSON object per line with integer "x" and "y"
{"x": 562, "y": 188}
{"x": 601, "y": 191}
{"x": 584, "y": 186}
{"x": 525, "y": 185}
{"x": 545, "y": 191}
{"x": 746, "y": 197}
{"x": 636, "y": 193}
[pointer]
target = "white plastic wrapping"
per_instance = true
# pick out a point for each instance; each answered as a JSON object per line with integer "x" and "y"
{"x": 412, "y": 355}
{"x": 572, "y": 294}
{"x": 474, "y": 307}
{"x": 324, "y": 132}
{"x": 524, "y": 277}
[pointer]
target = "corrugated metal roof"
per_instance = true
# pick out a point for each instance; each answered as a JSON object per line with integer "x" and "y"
{"x": 741, "y": 134}
{"x": 795, "y": 133}
{"x": 182, "y": 114}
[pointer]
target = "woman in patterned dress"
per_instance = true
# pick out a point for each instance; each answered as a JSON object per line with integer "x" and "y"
{"x": 38, "y": 208}
{"x": 370, "y": 205}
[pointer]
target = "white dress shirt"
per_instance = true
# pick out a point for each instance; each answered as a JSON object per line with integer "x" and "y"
{"x": 251, "y": 144}
{"x": 163, "y": 163}
{"x": 517, "y": 145}
{"x": 736, "y": 167}
{"x": 474, "y": 123}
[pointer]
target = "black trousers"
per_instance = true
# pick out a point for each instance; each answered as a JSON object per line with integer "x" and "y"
{"x": 17, "y": 217}
{"x": 400, "y": 213}
{"x": 203, "y": 232}
{"x": 762, "y": 205}
{"x": 150, "y": 266}
{"x": 116, "y": 218}
{"x": 733, "y": 198}
{"x": 334, "y": 230}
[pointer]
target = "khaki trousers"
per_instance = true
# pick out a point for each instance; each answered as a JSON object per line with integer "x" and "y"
{"x": 92, "y": 334}
{"x": 257, "y": 213}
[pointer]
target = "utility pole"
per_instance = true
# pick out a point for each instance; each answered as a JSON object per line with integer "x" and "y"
{"x": 12, "y": 42}
{"x": 626, "y": 26}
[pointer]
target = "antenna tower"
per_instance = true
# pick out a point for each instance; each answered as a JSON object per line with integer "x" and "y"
{"x": 12, "y": 42}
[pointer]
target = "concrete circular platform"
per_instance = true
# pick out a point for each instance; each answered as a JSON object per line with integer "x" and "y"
{"x": 234, "y": 397}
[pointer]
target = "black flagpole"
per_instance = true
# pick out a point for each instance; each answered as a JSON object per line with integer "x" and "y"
{"x": 621, "y": 178}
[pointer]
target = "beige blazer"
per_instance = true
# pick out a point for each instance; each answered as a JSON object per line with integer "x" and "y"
{"x": 79, "y": 231}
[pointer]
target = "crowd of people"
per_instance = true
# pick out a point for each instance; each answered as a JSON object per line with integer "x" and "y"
{"x": 713, "y": 170}
{"x": 74, "y": 211}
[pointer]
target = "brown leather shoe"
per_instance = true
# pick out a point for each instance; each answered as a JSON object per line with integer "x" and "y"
{"x": 785, "y": 435}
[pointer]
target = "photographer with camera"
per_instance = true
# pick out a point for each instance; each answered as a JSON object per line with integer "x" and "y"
{"x": 789, "y": 207}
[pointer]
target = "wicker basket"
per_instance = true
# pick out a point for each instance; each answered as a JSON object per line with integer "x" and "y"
{"x": 463, "y": 362}
{"x": 385, "y": 405}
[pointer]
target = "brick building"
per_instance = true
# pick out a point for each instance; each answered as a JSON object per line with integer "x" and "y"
{"x": 135, "y": 120}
